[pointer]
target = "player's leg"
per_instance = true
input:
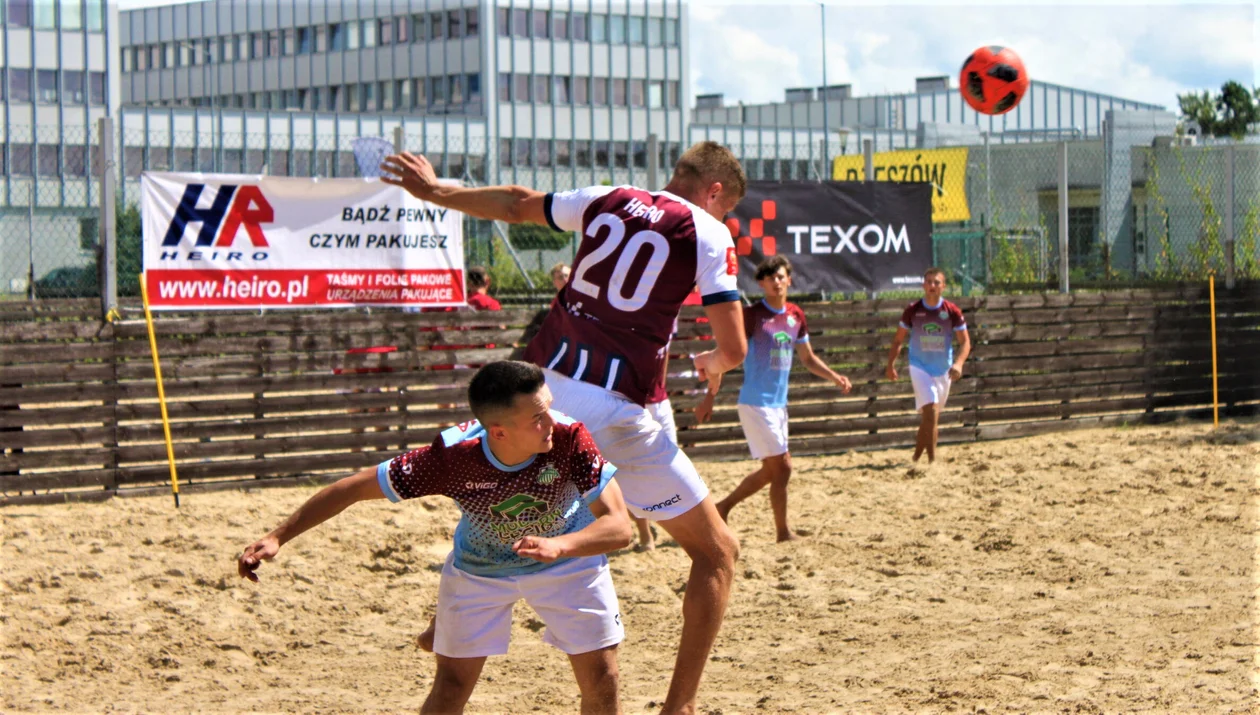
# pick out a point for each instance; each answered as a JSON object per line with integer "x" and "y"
{"x": 425, "y": 639}
{"x": 647, "y": 540}
{"x": 713, "y": 550}
{"x": 453, "y": 684}
{"x": 778, "y": 496}
{"x": 927, "y": 431}
{"x": 924, "y": 396}
{"x": 598, "y": 680}
{"x": 940, "y": 393}
{"x": 750, "y": 485}
{"x": 765, "y": 429}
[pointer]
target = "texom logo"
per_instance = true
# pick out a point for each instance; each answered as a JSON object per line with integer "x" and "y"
{"x": 234, "y": 207}
{"x": 756, "y": 230}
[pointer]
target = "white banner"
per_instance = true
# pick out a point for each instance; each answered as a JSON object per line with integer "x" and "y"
{"x": 245, "y": 241}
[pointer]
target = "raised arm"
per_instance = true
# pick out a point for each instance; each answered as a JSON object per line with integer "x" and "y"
{"x": 898, "y": 340}
{"x": 327, "y": 503}
{"x": 610, "y": 531}
{"x": 514, "y": 204}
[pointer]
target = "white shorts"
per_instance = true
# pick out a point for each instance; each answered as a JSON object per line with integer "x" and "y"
{"x": 766, "y": 429}
{"x": 663, "y": 412}
{"x": 657, "y": 480}
{"x": 575, "y": 599}
{"x": 928, "y": 388}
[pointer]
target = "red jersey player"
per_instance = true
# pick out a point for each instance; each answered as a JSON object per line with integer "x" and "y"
{"x": 603, "y": 343}
{"x": 540, "y": 508}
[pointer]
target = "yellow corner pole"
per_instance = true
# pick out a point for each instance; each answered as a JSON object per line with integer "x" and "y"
{"x": 157, "y": 371}
{"x": 1216, "y": 410}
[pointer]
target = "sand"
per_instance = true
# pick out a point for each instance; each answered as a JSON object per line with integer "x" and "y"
{"x": 1100, "y": 570}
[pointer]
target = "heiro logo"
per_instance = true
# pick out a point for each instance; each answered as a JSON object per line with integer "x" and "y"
{"x": 830, "y": 238}
{"x": 234, "y": 207}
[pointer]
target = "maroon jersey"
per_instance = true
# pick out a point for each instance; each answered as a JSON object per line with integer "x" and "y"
{"x": 641, "y": 254}
{"x": 547, "y": 495}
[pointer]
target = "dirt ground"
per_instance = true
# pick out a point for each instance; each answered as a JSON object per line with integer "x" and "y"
{"x": 1101, "y": 570}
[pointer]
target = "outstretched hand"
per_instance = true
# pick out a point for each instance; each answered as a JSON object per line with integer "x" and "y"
{"x": 538, "y": 548}
{"x": 844, "y": 384}
{"x": 412, "y": 172}
{"x": 265, "y": 549}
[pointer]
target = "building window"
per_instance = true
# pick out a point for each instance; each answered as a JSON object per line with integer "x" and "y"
{"x": 273, "y": 44}
{"x": 656, "y": 95}
{"x": 402, "y": 29}
{"x": 290, "y": 42}
{"x": 71, "y": 14}
{"x": 334, "y": 99}
{"x": 617, "y": 29}
{"x": 168, "y": 55}
{"x": 368, "y": 28}
{"x": 47, "y": 80}
{"x": 45, "y": 18}
{"x": 336, "y": 37}
{"x": 74, "y": 89}
{"x": 581, "y": 90}
{"x": 671, "y": 94}
{"x": 402, "y": 94}
{"x": 636, "y": 30}
{"x": 541, "y": 24}
{"x": 95, "y": 15}
{"x": 603, "y": 151}
{"x": 599, "y": 93}
{"x": 620, "y": 158}
{"x": 505, "y": 152}
{"x": 561, "y": 91}
{"x": 385, "y": 31}
{"x": 542, "y": 88}
{"x": 656, "y": 31}
{"x": 259, "y": 49}
{"x": 1082, "y": 234}
{"x": 19, "y": 13}
{"x": 521, "y": 91}
{"x": 523, "y": 148}
{"x": 599, "y": 28}
{"x": 472, "y": 23}
{"x": 636, "y": 93}
{"x": 542, "y": 152}
{"x": 455, "y": 87}
{"x": 418, "y": 28}
{"x": 126, "y": 59}
{"x": 19, "y": 85}
{"x": 472, "y": 85}
{"x": 227, "y": 49}
{"x": 582, "y": 154}
{"x": 564, "y": 153}
{"x": 437, "y": 91}
{"x": 208, "y": 49}
{"x": 520, "y": 23}
{"x": 454, "y": 26}
{"x": 352, "y": 35}
{"x": 505, "y": 87}
{"x": 436, "y": 26}
{"x": 49, "y": 159}
{"x": 578, "y": 26}
{"x": 183, "y": 58}
{"x": 242, "y": 47}
{"x": 560, "y": 25}
{"x": 503, "y": 20}
{"x": 356, "y": 97}
{"x": 155, "y": 57}
{"x": 618, "y": 92}
{"x": 671, "y": 31}
{"x": 304, "y": 41}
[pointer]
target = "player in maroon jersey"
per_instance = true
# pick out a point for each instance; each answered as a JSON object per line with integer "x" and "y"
{"x": 603, "y": 344}
{"x": 540, "y": 508}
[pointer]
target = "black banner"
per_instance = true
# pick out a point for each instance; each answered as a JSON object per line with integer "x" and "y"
{"x": 841, "y": 236}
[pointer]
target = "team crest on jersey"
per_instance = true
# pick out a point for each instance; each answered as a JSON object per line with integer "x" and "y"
{"x": 791, "y": 321}
{"x": 548, "y": 474}
{"x": 944, "y": 315}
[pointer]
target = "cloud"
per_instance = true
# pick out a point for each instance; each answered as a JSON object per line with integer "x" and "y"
{"x": 1143, "y": 51}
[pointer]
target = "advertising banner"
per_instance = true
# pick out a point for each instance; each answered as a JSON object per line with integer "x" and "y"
{"x": 944, "y": 169}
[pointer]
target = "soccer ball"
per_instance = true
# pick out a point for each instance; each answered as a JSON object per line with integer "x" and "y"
{"x": 993, "y": 80}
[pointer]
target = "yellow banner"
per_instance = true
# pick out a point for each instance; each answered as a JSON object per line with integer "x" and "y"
{"x": 945, "y": 169}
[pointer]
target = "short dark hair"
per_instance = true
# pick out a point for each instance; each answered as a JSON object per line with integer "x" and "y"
{"x": 934, "y": 271}
{"x": 496, "y": 385}
{"x": 771, "y": 265}
{"x": 478, "y": 277}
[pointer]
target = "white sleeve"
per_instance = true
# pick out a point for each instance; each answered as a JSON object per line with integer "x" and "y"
{"x": 717, "y": 267}
{"x": 564, "y": 209}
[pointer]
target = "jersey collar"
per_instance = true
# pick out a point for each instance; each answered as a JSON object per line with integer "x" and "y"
{"x": 933, "y": 307}
{"x": 772, "y": 310}
{"x": 485, "y": 448}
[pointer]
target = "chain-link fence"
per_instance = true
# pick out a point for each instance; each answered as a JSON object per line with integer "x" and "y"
{"x": 1141, "y": 206}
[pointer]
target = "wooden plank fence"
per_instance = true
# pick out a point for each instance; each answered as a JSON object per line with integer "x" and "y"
{"x": 289, "y": 396}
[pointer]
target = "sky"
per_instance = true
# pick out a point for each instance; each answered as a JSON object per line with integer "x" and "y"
{"x": 752, "y": 50}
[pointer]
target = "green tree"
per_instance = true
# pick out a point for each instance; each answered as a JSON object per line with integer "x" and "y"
{"x": 1199, "y": 109}
{"x": 1237, "y": 110}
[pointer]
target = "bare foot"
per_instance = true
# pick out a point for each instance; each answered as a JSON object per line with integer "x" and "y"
{"x": 425, "y": 641}
{"x": 789, "y": 536}
{"x": 724, "y": 510}
{"x": 645, "y": 546}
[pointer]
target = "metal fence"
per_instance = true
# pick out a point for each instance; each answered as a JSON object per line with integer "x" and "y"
{"x": 1150, "y": 211}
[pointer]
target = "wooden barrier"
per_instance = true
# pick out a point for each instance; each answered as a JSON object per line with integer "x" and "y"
{"x": 283, "y": 396}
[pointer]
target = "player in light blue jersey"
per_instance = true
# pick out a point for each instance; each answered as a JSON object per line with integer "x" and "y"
{"x": 540, "y": 510}
{"x": 931, "y": 323}
{"x": 776, "y": 331}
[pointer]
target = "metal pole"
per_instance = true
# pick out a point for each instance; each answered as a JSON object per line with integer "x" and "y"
{"x": 868, "y": 153}
{"x": 1229, "y": 218}
{"x": 30, "y": 225}
{"x": 108, "y": 256}
{"x": 400, "y": 143}
{"x": 653, "y": 163}
{"x": 822, "y": 10}
{"x": 1063, "y": 217}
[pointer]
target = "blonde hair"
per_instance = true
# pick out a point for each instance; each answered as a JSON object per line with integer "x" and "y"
{"x": 708, "y": 162}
